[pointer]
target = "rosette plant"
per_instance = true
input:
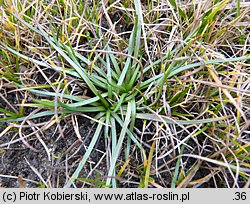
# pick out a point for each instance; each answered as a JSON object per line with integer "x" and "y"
{"x": 120, "y": 88}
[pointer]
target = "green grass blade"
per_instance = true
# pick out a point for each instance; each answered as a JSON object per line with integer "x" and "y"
{"x": 119, "y": 103}
{"x": 37, "y": 115}
{"x": 177, "y": 167}
{"x": 130, "y": 134}
{"x": 109, "y": 76}
{"x": 190, "y": 36}
{"x": 119, "y": 143}
{"x": 127, "y": 66}
{"x": 114, "y": 62}
{"x": 216, "y": 61}
{"x": 65, "y": 96}
{"x": 9, "y": 113}
{"x": 79, "y": 69}
{"x": 81, "y": 109}
{"x": 41, "y": 63}
{"x": 106, "y": 128}
{"x": 176, "y": 7}
{"x": 131, "y": 127}
{"x": 86, "y": 155}
{"x": 148, "y": 116}
{"x": 113, "y": 146}
{"x": 177, "y": 70}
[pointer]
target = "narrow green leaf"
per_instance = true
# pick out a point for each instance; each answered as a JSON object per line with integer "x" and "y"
{"x": 119, "y": 144}
{"x": 216, "y": 61}
{"x": 115, "y": 63}
{"x": 109, "y": 76}
{"x": 106, "y": 128}
{"x": 130, "y": 52}
{"x": 86, "y": 155}
{"x": 114, "y": 144}
{"x": 148, "y": 116}
{"x": 121, "y": 123}
{"x": 118, "y": 105}
{"x": 85, "y": 109}
{"x": 79, "y": 69}
{"x": 37, "y": 115}
{"x": 131, "y": 127}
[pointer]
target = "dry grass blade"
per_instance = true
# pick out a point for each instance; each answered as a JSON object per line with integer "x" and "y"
{"x": 149, "y": 162}
{"x": 219, "y": 163}
{"x": 37, "y": 173}
{"x": 186, "y": 181}
{"x": 225, "y": 91}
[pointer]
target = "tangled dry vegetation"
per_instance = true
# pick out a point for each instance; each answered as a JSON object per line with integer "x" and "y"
{"x": 124, "y": 93}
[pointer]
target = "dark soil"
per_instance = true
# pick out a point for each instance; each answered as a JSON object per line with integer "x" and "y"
{"x": 18, "y": 160}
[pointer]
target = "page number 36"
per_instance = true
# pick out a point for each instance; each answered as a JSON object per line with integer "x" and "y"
{"x": 240, "y": 196}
